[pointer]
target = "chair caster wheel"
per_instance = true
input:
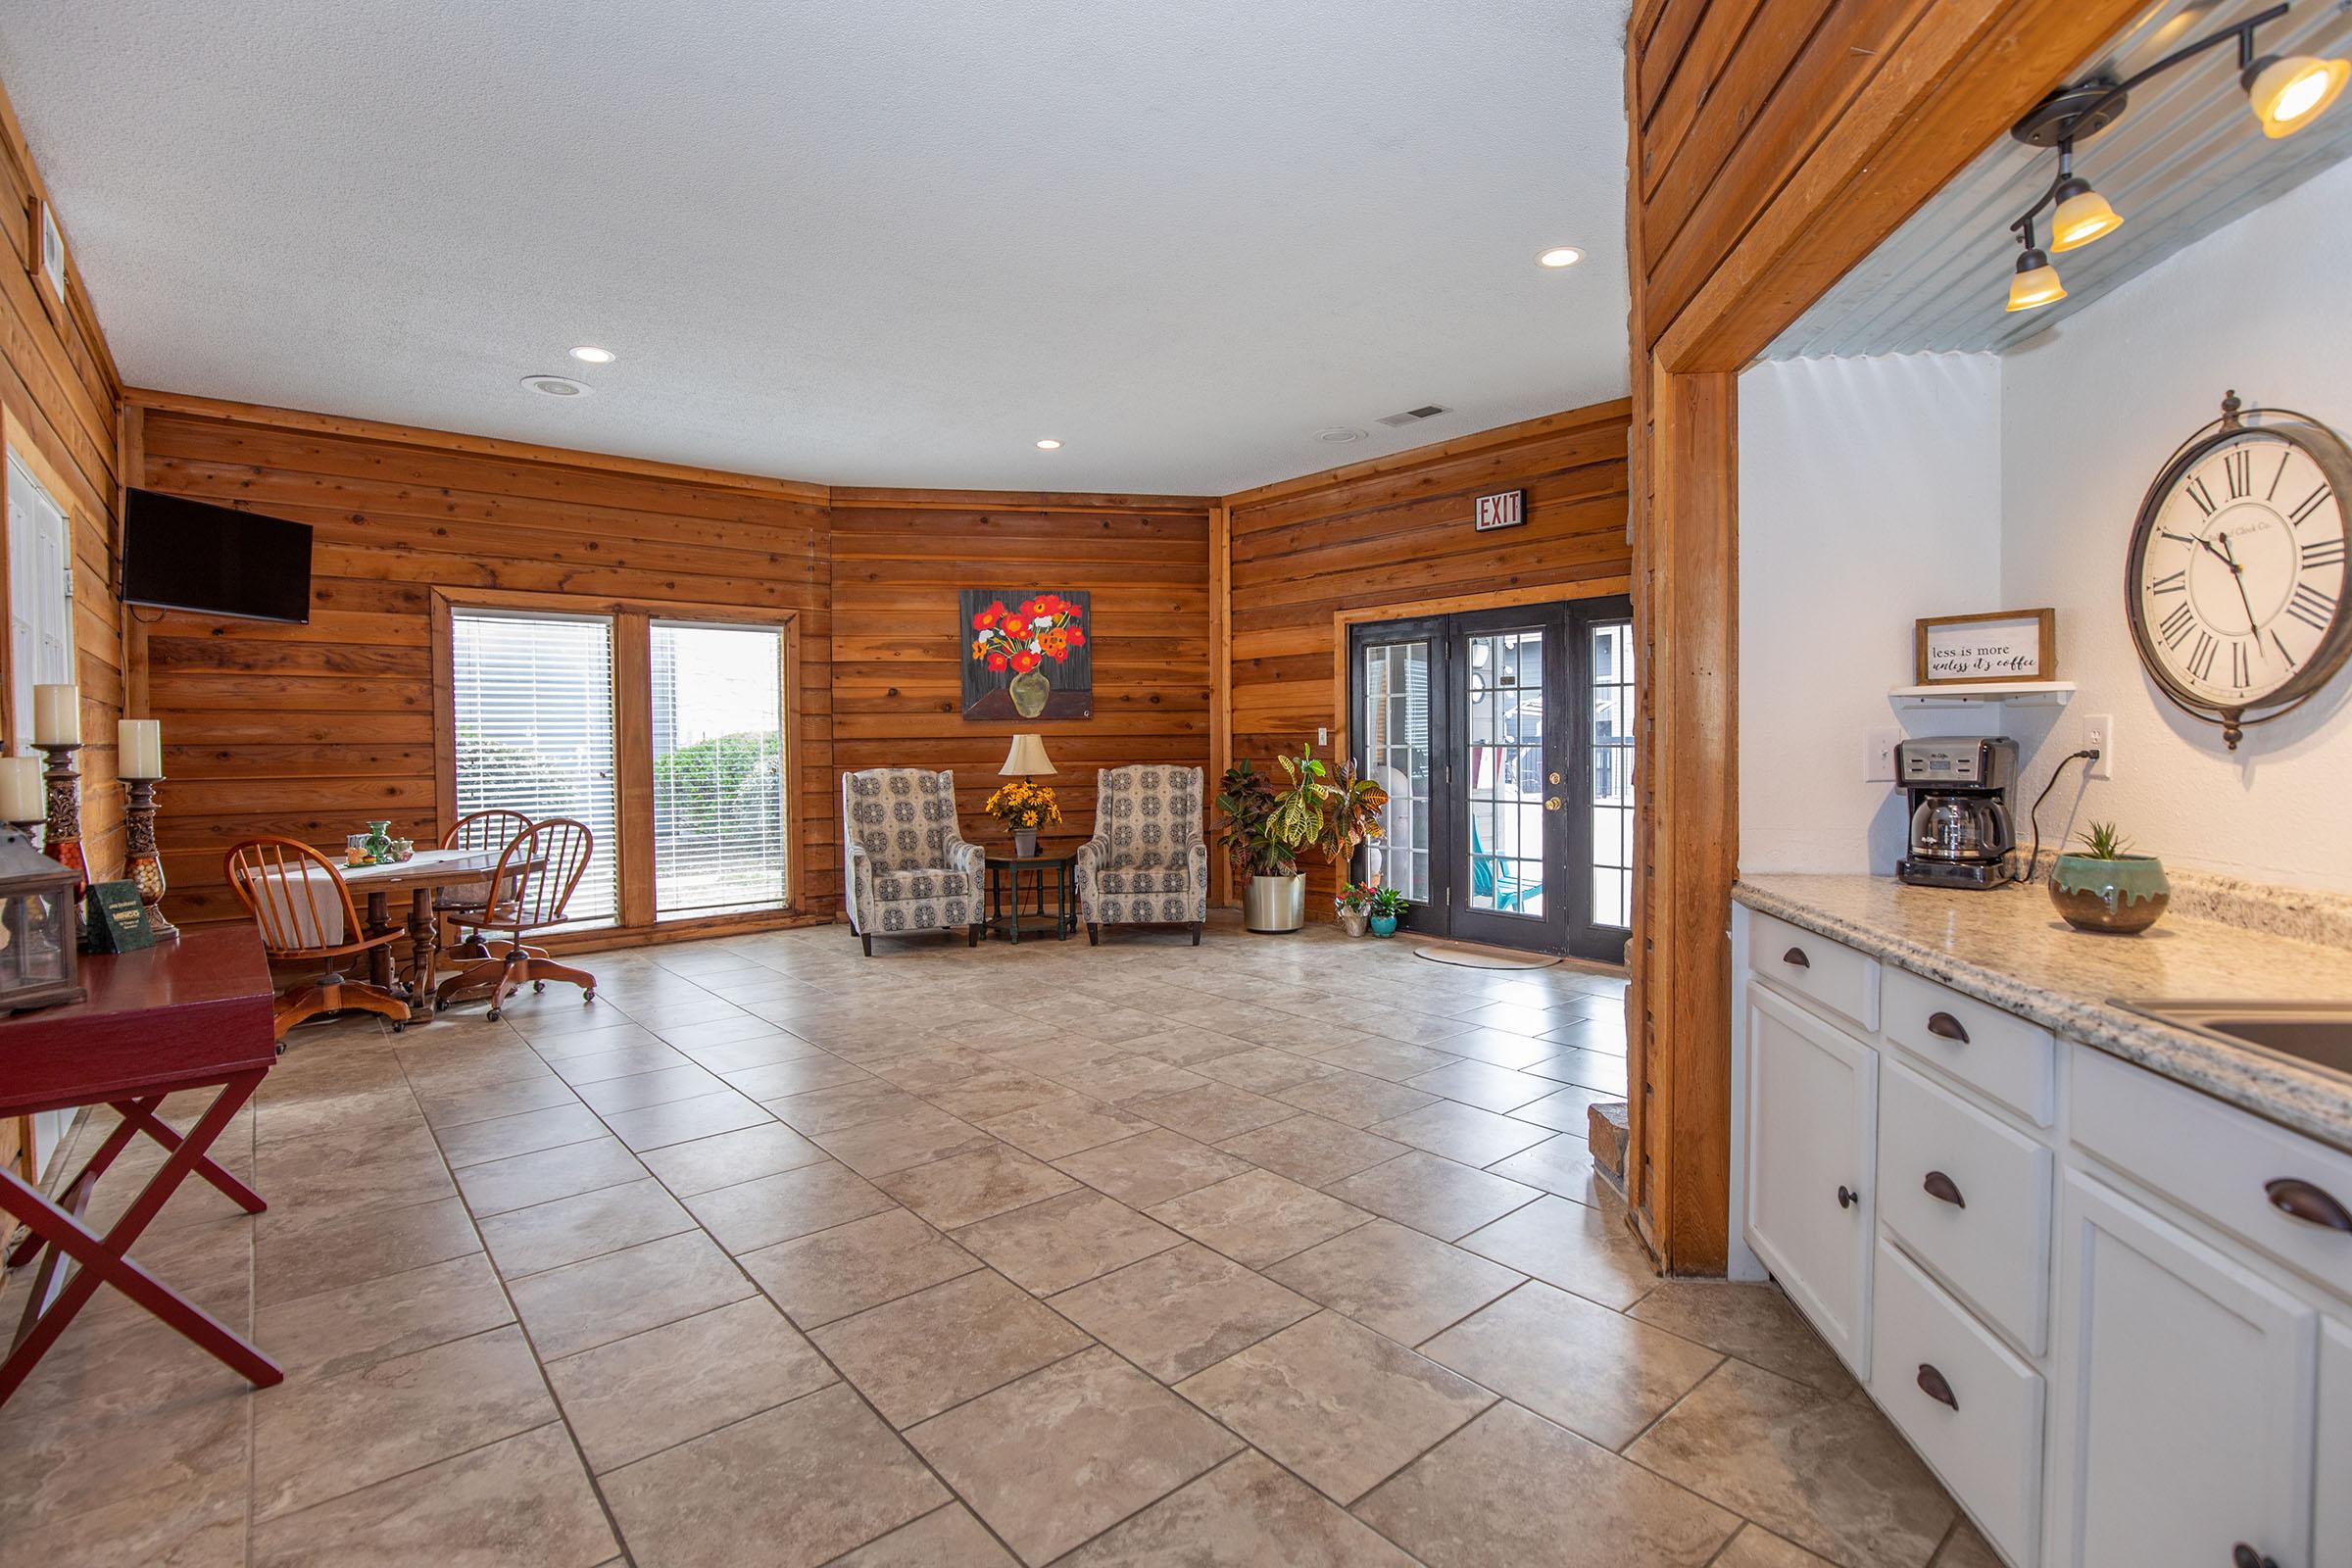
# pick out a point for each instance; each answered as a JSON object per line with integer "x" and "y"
{"x": 588, "y": 995}
{"x": 440, "y": 1005}
{"x": 398, "y": 1027}
{"x": 538, "y": 986}
{"x": 493, "y": 1015}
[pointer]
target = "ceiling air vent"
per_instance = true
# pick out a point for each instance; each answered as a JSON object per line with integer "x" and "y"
{"x": 1413, "y": 416}
{"x": 555, "y": 386}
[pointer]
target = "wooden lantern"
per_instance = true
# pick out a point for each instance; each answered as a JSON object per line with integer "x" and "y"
{"x": 41, "y": 926}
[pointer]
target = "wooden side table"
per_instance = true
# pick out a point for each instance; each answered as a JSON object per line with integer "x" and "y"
{"x": 1006, "y": 918}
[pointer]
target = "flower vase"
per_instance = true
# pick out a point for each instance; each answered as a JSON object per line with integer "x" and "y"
{"x": 1029, "y": 689}
{"x": 2116, "y": 895}
{"x": 379, "y": 842}
{"x": 1025, "y": 842}
{"x": 1351, "y": 921}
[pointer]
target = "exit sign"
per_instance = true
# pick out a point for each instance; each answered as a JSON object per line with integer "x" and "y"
{"x": 1504, "y": 511}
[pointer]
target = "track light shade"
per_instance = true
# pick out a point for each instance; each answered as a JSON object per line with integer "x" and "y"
{"x": 2288, "y": 92}
{"x": 2035, "y": 284}
{"x": 2082, "y": 215}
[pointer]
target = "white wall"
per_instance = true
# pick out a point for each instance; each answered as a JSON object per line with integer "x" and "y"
{"x": 2090, "y": 411}
{"x": 1870, "y": 495}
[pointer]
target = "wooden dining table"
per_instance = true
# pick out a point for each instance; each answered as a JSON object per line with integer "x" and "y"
{"x": 420, "y": 877}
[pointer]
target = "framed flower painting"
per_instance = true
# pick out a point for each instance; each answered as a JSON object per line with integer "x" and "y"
{"x": 1027, "y": 654}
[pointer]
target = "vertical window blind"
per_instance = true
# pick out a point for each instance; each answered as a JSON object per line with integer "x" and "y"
{"x": 533, "y": 704}
{"x": 718, "y": 768}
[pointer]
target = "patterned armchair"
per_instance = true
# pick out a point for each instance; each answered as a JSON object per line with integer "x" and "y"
{"x": 1147, "y": 862}
{"x": 910, "y": 868}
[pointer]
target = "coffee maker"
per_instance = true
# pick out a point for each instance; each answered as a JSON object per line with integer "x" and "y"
{"x": 1958, "y": 789}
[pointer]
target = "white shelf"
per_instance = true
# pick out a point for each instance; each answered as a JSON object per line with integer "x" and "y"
{"x": 2023, "y": 693}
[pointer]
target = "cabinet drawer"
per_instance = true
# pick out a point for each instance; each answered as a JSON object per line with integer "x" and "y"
{"x": 1985, "y": 1443}
{"x": 1999, "y": 1052}
{"x": 1969, "y": 1196}
{"x": 2218, "y": 1162}
{"x": 1814, "y": 967}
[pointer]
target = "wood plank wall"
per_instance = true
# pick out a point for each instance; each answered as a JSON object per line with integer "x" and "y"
{"x": 1774, "y": 144}
{"x": 310, "y": 730}
{"x": 62, "y": 396}
{"x": 899, "y": 560}
{"x": 1397, "y": 532}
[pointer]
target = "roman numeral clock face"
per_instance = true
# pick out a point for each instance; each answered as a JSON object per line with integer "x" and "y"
{"x": 2237, "y": 572}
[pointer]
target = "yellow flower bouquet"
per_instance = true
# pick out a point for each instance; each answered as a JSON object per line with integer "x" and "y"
{"x": 1024, "y": 808}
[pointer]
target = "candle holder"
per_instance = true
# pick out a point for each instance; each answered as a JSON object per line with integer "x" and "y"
{"x": 63, "y": 841}
{"x": 143, "y": 864}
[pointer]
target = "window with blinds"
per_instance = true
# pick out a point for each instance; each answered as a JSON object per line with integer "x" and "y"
{"x": 718, "y": 716}
{"x": 533, "y": 706}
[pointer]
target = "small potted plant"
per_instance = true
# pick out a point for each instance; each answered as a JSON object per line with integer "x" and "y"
{"x": 2106, "y": 888}
{"x": 1388, "y": 907}
{"x": 1024, "y": 808}
{"x": 1354, "y": 904}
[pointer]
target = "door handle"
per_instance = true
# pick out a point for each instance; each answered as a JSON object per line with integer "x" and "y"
{"x": 1796, "y": 959}
{"x": 1936, "y": 1386}
{"x": 1943, "y": 1026}
{"x": 2313, "y": 1206}
{"x": 1942, "y": 1187}
{"x": 1551, "y": 804}
{"x": 1847, "y": 1197}
{"x": 2242, "y": 1556}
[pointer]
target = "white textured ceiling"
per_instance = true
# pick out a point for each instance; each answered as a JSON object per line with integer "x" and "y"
{"x": 857, "y": 243}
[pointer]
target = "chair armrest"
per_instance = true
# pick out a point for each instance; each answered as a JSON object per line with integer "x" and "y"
{"x": 860, "y": 889}
{"x": 966, "y": 856}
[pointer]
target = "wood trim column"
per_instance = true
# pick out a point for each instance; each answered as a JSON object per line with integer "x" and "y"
{"x": 1220, "y": 685}
{"x": 130, "y": 471}
{"x": 634, "y": 743}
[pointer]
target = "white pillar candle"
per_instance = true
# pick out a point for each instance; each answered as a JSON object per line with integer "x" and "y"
{"x": 22, "y": 796}
{"x": 141, "y": 743}
{"x": 57, "y": 715}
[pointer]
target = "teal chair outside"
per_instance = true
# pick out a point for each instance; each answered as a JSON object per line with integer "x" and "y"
{"x": 1507, "y": 889}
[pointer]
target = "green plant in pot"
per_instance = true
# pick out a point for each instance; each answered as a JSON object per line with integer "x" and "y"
{"x": 1268, "y": 823}
{"x": 2106, "y": 888}
{"x": 1388, "y": 907}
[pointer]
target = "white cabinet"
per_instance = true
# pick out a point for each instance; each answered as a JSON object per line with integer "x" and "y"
{"x": 1812, "y": 1108}
{"x": 2183, "y": 1398}
{"x": 2331, "y": 1543}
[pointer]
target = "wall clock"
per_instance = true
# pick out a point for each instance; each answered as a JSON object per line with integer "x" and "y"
{"x": 2234, "y": 579}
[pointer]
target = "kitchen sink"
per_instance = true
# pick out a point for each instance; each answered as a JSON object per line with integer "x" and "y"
{"x": 2317, "y": 1033}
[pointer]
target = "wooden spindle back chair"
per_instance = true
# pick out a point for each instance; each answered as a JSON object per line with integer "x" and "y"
{"x": 493, "y": 830}
{"x": 531, "y": 889}
{"x": 303, "y": 907}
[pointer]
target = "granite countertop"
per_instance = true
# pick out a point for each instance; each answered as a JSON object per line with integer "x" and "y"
{"x": 2007, "y": 947}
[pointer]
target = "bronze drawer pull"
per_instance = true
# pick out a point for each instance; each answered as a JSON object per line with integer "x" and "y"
{"x": 1941, "y": 1186}
{"x": 2242, "y": 1556}
{"x": 2313, "y": 1206}
{"x": 1943, "y": 1026}
{"x": 1796, "y": 959}
{"x": 1936, "y": 1387}
{"x": 1847, "y": 1199}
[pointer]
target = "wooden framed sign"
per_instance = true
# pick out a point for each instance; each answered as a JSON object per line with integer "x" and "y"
{"x": 2002, "y": 645}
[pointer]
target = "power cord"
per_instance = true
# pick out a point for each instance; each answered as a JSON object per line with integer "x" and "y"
{"x": 2033, "y": 866}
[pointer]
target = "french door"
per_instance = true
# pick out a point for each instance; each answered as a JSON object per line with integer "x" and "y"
{"x": 1505, "y": 740}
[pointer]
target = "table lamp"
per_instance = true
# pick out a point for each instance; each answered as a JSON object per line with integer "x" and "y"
{"x": 1026, "y": 759}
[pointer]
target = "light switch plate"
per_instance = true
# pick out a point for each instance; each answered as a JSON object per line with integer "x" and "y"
{"x": 1322, "y": 735}
{"x": 1877, "y": 755}
{"x": 2098, "y": 733}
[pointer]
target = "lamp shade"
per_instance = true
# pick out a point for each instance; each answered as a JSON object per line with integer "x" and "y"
{"x": 2082, "y": 215}
{"x": 2036, "y": 283}
{"x": 2290, "y": 93}
{"x": 1026, "y": 759}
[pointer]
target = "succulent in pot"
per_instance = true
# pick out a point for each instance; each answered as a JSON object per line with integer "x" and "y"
{"x": 1388, "y": 907}
{"x": 2107, "y": 888}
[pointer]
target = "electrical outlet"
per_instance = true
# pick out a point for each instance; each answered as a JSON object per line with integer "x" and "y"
{"x": 1322, "y": 735}
{"x": 2098, "y": 734}
{"x": 1877, "y": 755}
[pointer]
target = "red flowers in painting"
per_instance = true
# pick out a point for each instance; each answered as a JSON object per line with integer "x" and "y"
{"x": 1044, "y": 626}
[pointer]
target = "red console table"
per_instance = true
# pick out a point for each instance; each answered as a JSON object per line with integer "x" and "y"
{"x": 189, "y": 1014}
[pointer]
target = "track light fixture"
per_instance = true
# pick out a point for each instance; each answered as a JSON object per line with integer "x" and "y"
{"x": 2285, "y": 93}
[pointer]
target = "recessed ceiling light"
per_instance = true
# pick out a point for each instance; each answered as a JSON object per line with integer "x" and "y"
{"x": 557, "y": 386}
{"x": 1048, "y": 444}
{"x": 1560, "y": 256}
{"x": 1340, "y": 432}
{"x": 590, "y": 353}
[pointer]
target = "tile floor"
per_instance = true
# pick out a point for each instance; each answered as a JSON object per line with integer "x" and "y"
{"x": 1270, "y": 1251}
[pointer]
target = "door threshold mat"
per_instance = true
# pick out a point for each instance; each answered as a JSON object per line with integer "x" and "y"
{"x": 1482, "y": 957}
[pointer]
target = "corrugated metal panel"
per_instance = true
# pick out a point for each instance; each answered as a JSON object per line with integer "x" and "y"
{"x": 2187, "y": 159}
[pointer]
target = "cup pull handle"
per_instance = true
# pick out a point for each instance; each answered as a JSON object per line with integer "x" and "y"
{"x": 1847, "y": 1197}
{"x": 2313, "y": 1206}
{"x": 1936, "y": 1386}
{"x": 2242, "y": 1556}
{"x": 1796, "y": 959}
{"x": 1943, "y": 1026}
{"x": 1942, "y": 1187}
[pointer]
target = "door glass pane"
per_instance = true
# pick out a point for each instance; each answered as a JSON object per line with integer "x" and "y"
{"x": 718, "y": 768}
{"x": 1504, "y": 771}
{"x": 1612, "y": 792}
{"x": 1392, "y": 727}
{"x": 534, "y": 701}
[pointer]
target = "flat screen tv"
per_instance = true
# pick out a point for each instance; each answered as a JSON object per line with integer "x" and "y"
{"x": 179, "y": 554}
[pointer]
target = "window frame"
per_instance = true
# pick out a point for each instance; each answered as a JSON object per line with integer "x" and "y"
{"x": 632, "y": 621}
